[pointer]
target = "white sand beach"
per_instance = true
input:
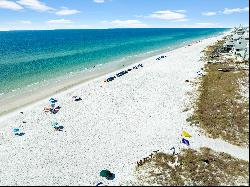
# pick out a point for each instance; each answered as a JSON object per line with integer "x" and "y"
{"x": 115, "y": 125}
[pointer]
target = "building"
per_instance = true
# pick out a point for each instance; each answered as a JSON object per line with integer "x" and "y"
{"x": 238, "y": 43}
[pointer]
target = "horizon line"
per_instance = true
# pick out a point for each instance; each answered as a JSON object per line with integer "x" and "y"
{"x": 119, "y": 28}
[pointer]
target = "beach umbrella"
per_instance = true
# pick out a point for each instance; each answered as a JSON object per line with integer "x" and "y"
{"x": 52, "y": 100}
{"x": 185, "y": 141}
{"x": 186, "y": 134}
{"x": 16, "y": 131}
{"x": 105, "y": 173}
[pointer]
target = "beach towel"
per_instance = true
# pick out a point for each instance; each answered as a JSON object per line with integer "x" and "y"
{"x": 47, "y": 108}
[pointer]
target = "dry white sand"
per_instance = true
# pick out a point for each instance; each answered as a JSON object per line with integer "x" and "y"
{"x": 114, "y": 126}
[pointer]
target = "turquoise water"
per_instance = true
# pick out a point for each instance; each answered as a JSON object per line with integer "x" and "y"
{"x": 28, "y": 57}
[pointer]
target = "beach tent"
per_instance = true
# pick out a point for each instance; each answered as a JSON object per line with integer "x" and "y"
{"x": 186, "y": 134}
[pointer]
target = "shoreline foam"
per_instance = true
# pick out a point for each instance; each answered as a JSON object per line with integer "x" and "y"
{"x": 11, "y": 103}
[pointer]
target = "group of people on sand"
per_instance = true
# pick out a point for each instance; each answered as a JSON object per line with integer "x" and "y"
{"x": 53, "y": 107}
{"x": 122, "y": 73}
{"x": 159, "y": 58}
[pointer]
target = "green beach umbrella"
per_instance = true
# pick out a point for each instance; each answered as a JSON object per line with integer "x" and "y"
{"x": 105, "y": 173}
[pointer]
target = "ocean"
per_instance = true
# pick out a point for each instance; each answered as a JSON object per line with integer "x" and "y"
{"x": 31, "y": 58}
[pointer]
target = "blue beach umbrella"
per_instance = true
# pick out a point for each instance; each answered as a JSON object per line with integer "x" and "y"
{"x": 52, "y": 100}
{"x": 16, "y": 131}
{"x": 185, "y": 141}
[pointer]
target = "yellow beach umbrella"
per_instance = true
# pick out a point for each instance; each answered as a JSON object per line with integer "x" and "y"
{"x": 186, "y": 134}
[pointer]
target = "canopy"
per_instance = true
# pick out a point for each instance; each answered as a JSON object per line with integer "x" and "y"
{"x": 105, "y": 173}
{"x": 52, "y": 100}
{"x": 186, "y": 134}
{"x": 16, "y": 130}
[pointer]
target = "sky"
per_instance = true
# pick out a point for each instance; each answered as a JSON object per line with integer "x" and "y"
{"x": 102, "y": 14}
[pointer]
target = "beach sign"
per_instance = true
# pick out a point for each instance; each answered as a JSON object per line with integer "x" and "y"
{"x": 185, "y": 141}
{"x": 186, "y": 134}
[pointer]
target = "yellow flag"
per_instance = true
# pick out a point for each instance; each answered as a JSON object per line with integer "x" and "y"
{"x": 186, "y": 134}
